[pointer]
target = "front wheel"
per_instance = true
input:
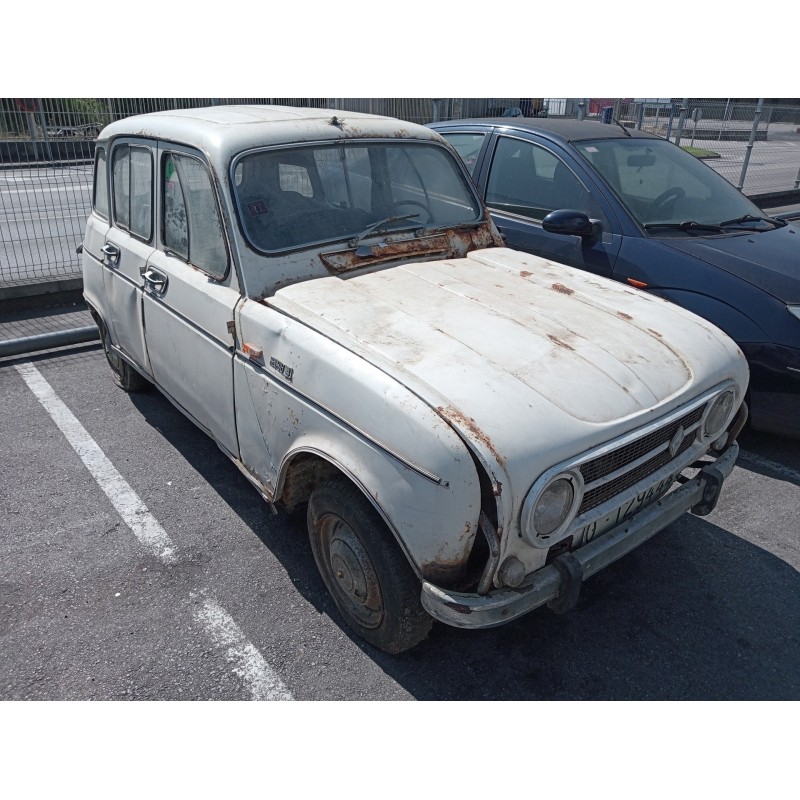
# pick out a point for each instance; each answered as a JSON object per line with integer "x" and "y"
{"x": 363, "y": 568}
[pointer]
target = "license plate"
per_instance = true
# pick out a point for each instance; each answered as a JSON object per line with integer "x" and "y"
{"x": 625, "y": 511}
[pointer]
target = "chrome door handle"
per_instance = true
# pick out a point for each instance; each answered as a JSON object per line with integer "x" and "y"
{"x": 111, "y": 253}
{"x": 155, "y": 281}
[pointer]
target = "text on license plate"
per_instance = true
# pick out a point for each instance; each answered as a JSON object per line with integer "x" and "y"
{"x": 625, "y": 511}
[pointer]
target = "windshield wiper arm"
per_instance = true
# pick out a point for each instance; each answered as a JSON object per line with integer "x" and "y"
{"x": 456, "y": 226}
{"x": 689, "y": 225}
{"x": 378, "y": 227}
{"x": 751, "y": 218}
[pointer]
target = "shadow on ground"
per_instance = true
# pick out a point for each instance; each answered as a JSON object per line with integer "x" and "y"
{"x": 697, "y": 613}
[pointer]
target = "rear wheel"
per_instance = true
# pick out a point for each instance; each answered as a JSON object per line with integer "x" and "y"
{"x": 125, "y": 376}
{"x": 365, "y": 571}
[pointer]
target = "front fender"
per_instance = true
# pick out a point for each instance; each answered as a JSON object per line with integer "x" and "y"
{"x": 435, "y": 523}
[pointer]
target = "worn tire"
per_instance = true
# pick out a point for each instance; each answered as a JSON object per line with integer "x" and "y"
{"x": 125, "y": 376}
{"x": 364, "y": 569}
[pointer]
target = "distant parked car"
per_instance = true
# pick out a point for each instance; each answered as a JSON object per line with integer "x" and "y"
{"x": 473, "y": 429}
{"x": 89, "y": 131}
{"x": 636, "y": 208}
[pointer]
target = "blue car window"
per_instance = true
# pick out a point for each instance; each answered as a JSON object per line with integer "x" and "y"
{"x": 532, "y": 181}
{"x": 661, "y": 184}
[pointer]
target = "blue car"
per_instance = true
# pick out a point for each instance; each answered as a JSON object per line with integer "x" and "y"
{"x": 636, "y": 208}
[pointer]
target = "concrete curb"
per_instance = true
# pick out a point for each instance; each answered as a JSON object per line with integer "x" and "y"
{"x": 25, "y": 297}
{"x": 15, "y": 291}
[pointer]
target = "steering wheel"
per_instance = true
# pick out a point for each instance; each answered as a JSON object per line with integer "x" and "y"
{"x": 418, "y": 204}
{"x": 670, "y": 195}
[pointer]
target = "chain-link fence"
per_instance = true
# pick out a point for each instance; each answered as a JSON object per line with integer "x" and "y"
{"x": 47, "y": 146}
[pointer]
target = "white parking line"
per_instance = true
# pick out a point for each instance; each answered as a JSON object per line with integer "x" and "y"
{"x": 247, "y": 661}
{"x": 135, "y": 513}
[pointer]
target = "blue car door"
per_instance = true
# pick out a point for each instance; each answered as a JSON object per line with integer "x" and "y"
{"x": 522, "y": 181}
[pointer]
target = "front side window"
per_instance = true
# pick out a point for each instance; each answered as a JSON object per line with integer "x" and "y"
{"x": 133, "y": 189}
{"x": 192, "y": 228}
{"x": 294, "y": 197}
{"x": 529, "y": 180}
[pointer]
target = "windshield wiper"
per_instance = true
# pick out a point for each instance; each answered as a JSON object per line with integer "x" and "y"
{"x": 689, "y": 225}
{"x": 728, "y": 223}
{"x": 456, "y": 226}
{"x": 378, "y": 227}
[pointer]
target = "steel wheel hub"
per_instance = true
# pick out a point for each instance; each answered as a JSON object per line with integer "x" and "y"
{"x": 353, "y": 573}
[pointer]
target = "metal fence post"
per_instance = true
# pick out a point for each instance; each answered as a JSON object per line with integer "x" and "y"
{"x": 681, "y": 121}
{"x": 581, "y": 110}
{"x": 749, "y": 149}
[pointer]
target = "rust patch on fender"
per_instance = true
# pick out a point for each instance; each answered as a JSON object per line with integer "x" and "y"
{"x": 559, "y": 287}
{"x": 460, "y": 420}
{"x": 559, "y": 342}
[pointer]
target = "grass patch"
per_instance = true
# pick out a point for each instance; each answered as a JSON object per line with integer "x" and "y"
{"x": 699, "y": 152}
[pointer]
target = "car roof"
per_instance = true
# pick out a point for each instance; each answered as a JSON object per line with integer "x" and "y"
{"x": 223, "y": 131}
{"x": 564, "y": 130}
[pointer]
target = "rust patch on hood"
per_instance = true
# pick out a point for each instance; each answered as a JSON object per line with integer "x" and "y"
{"x": 346, "y": 260}
{"x": 655, "y": 333}
{"x": 559, "y": 287}
{"x": 448, "y": 244}
{"x": 461, "y": 420}
{"x": 525, "y": 274}
{"x": 624, "y": 315}
{"x": 559, "y": 342}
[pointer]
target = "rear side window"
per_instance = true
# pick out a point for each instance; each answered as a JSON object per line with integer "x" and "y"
{"x": 101, "y": 184}
{"x": 192, "y": 228}
{"x": 467, "y": 145}
{"x": 133, "y": 190}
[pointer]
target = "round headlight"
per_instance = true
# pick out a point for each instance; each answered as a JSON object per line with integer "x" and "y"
{"x": 718, "y": 414}
{"x": 553, "y": 506}
{"x": 550, "y": 507}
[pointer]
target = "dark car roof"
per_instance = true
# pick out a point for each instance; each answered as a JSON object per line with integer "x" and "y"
{"x": 567, "y": 130}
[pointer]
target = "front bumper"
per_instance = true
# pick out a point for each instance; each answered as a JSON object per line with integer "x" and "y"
{"x": 559, "y": 583}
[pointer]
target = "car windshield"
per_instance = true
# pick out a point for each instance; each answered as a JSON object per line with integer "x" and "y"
{"x": 665, "y": 188}
{"x": 290, "y": 198}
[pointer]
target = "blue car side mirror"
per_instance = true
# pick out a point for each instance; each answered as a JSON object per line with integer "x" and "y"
{"x": 570, "y": 222}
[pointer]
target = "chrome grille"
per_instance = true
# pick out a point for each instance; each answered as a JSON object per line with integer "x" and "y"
{"x": 608, "y": 463}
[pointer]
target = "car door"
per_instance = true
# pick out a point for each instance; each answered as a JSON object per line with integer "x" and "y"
{"x": 190, "y": 291}
{"x": 128, "y": 244}
{"x": 522, "y": 181}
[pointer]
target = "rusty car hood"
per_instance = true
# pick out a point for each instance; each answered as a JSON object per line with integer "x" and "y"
{"x": 509, "y": 347}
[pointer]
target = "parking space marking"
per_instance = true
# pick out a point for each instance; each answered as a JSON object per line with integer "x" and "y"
{"x": 246, "y": 660}
{"x": 137, "y": 517}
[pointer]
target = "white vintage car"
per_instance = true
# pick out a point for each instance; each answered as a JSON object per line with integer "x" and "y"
{"x": 475, "y": 430}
